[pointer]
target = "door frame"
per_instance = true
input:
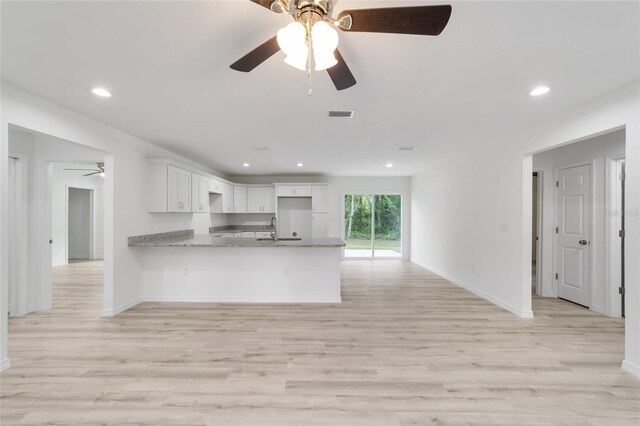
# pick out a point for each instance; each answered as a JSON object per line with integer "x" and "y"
{"x": 556, "y": 204}
{"x": 92, "y": 220}
{"x": 539, "y": 228}
{"x": 402, "y": 196}
{"x": 18, "y": 298}
{"x": 613, "y": 265}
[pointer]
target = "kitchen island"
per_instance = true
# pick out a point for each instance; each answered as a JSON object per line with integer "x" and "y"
{"x": 183, "y": 267}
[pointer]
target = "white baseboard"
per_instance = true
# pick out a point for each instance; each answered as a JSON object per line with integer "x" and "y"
{"x": 121, "y": 308}
{"x": 4, "y": 364}
{"x": 178, "y": 299}
{"x": 631, "y": 368}
{"x": 522, "y": 313}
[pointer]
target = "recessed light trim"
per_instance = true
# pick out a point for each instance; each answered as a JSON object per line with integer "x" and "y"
{"x": 300, "y": 165}
{"x": 246, "y": 165}
{"x": 101, "y": 91}
{"x": 540, "y": 90}
{"x": 388, "y": 165}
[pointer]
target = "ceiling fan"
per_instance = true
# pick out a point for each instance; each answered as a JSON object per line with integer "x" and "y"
{"x": 99, "y": 170}
{"x": 313, "y": 34}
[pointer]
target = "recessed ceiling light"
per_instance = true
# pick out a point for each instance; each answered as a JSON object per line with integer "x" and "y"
{"x": 99, "y": 91}
{"x": 245, "y": 164}
{"x": 299, "y": 164}
{"x": 388, "y": 165}
{"x": 540, "y": 90}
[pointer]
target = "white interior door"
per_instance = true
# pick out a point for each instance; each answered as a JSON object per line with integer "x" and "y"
{"x": 574, "y": 228}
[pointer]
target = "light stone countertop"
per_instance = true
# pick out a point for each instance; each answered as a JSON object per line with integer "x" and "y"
{"x": 186, "y": 239}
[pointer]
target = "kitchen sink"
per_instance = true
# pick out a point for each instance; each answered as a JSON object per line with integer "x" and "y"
{"x": 279, "y": 239}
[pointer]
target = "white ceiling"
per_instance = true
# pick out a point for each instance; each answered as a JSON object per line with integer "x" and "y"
{"x": 167, "y": 64}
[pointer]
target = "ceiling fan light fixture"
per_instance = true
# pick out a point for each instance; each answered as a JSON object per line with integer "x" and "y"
{"x": 325, "y": 42}
{"x": 101, "y": 174}
{"x": 292, "y": 39}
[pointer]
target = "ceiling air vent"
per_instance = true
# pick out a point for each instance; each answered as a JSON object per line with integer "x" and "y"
{"x": 341, "y": 114}
{"x": 406, "y": 148}
{"x": 260, "y": 148}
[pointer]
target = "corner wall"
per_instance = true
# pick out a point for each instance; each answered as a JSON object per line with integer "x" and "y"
{"x": 471, "y": 219}
{"x": 124, "y": 189}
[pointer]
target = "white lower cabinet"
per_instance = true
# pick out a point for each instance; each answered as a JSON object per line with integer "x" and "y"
{"x": 320, "y": 226}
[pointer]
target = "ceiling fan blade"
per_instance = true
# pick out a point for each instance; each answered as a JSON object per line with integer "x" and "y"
{"x": 421, "y": 20}
{"x": 94, "y": 173}
{"x": 86, "y": 170}
{"x": 257, "y": 56}
{"x": 341, "y": 74}
{"x": 264, "y": 3}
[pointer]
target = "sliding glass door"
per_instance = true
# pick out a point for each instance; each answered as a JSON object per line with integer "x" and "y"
{"x": 373, "y": 225}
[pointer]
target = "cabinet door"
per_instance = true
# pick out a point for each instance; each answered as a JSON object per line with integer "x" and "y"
{"x": 269, "y": 199}
{"x": 214, "y": 186}
{"x": 240, "y": 199}
{"x": 203, "y": 195}
{"x": 173, "y": 203}
{"x": 320, "y": 226}
{"x": 254, "y": 199}
{"x": 294, "y": 191}
{"x": 184, "y": 190}
{"x": 320, "y": 199}
{"x": 227, "y": 198}
{"x": 196, "y": 205}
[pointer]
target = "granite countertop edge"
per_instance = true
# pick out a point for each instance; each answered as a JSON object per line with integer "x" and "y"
{"x": 187, "y": 238}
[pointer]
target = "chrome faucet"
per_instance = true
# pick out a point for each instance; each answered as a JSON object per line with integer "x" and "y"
{"x": 274, "y": 224}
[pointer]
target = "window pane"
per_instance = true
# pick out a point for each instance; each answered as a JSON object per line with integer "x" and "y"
{"x": 388, "y": 226}
{"x": 357, "y": 225}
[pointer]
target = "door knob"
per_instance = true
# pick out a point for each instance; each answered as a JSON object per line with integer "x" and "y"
{"x": 583, "y": 242}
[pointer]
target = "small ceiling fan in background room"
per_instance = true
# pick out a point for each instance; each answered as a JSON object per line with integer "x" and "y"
{"x": 312, "y": 35}
{"x": 99, "y": 170}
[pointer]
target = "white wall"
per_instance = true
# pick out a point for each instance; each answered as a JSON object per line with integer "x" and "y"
{"x": 339, "y": 186}
{"x": 62, "y": 180}
{"x": 471, "y": 214}
{"x": 592, "y": 151}
{"x": 124, "y": 190}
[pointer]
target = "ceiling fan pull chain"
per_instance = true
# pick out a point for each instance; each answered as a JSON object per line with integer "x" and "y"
{"x": 310, "y": 91}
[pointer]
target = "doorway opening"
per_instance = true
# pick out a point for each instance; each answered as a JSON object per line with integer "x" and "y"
{"x": 373, "y": 226}
{"x": 577, "y": 243}
{"x": 56, "y": 217}
{"x": 79, "y": 224}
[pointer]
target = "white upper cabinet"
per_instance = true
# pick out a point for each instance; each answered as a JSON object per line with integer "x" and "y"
{"x": 239, "y": 199}
{"x": 199, "y": 194}
{"x": 294, "y": 191}
{"x": 169, "y": 189}
{"x": 227, "y": 198}
{"x": 178, "y": 190}
{"x": 214, "y": 186}
{"x": 261, "y": 199}
{"x": 320, "y": 199}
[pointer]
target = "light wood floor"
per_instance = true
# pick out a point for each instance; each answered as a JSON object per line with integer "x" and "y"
{"x": 406, "y": 347}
